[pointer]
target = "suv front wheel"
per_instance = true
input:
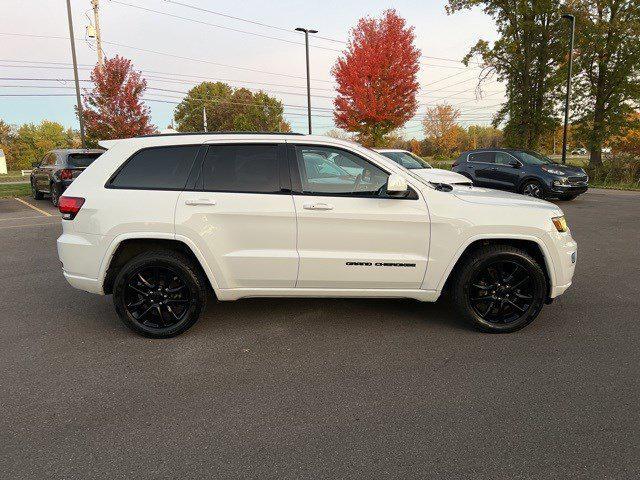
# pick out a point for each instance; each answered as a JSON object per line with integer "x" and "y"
{"x": 159, "y": 294}
{"x": 499, "y": 289}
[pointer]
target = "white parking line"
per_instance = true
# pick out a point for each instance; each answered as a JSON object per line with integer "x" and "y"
{"x": 46, "y": 214}
{"x": 19, "y": 218}
{"x": 30, "y": 225}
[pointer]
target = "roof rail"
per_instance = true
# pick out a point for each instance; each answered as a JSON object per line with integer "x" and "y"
{"x": 216, "y": 133}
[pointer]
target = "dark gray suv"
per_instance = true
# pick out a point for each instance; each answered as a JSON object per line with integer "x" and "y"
{"x": 57, "y": 169}
{"x": 522, "y": 171}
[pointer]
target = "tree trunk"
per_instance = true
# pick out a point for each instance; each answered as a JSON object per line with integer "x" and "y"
{"x": 595, "y": 156}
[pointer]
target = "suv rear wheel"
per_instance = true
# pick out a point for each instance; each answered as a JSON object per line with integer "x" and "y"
{"x": 34, "y": 192}
{"x": 159, "y": 294}
{"x": 500, "y": 289}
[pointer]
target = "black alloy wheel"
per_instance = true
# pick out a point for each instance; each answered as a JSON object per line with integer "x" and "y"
{"x": 501, "y": 292}
{"x": 533, "y": 189}
{"x": 159, "y": 294}
{"x": 156, "y": 296}
{"x": 499, "y": 288}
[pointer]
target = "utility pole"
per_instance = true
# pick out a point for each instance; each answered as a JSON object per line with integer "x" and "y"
{"x": 75, "y": 74}
{"x": 307, "y": 31}
{"x": 96, "y": 20}
{"x": 572, "y": 19}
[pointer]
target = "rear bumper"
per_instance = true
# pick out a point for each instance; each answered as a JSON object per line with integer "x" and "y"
{"x": 81, "y": 255}
{"x": 90, "y": 285}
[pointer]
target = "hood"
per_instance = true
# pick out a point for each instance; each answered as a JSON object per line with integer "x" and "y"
{"x": 568, "y": 170}
{"x": 488, "y": 196}
{"x": 439, "y": 175}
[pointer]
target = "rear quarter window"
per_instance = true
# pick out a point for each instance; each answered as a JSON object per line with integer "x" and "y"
{"x": 156, "y": 168}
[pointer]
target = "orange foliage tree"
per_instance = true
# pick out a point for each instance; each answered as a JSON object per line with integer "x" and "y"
{"x": 377, "y": 78}
{"x": 113, "y": 108}
{"x": 441, "y": 128}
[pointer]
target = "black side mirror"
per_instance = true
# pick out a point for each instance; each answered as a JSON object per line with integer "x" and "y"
{"x": 514, "y": 164}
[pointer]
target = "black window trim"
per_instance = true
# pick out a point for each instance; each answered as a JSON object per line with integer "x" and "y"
{"x": 110, "y": 186}
{"x": 284, "y": 178}
{"x": 296, "y": 178}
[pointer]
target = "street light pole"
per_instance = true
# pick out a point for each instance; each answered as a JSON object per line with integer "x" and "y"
{"x": 75, "y": 74}
{"x": 307, "y": 31}
{"x": 572, "y": 19}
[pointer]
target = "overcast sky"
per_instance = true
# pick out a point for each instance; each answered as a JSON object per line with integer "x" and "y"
{"x": 155, "y": 41}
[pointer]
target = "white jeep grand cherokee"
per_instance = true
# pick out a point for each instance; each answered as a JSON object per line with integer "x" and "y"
{"x": 157, "y": 220}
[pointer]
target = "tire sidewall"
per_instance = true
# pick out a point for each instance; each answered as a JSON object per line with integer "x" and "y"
{"x": 190, "y": 279}
{"x": 538, "y": 278}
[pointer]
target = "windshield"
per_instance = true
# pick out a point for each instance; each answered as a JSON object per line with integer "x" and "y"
{"x": 407, "y": 159}
{"x": 533, "y": 158}
{"x": 81, "y": 160}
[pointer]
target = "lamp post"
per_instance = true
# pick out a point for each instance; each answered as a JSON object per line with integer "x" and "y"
{"x": 307, "y": 31}
{"x": 572, "y": 19}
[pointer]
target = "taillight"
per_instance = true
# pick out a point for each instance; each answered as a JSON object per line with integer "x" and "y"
{"x": 66, "y": 174}
{"x": 70, "y": 206}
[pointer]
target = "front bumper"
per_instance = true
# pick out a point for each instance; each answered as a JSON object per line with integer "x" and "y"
{"x": 567, "y": 250}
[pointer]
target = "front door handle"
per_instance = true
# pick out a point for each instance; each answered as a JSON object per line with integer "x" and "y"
{"x": 199, "y": 201}
{"x": 317, "y": 206}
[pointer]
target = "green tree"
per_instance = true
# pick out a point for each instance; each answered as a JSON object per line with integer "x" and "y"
{"x": 6, "y": 140}
{"x": 607, "y": 84}
{"x": 484, "y": 136}
{"x": 32, "y": 141}
{"x": 229, "y": 109}
{"x": 526, "y": 57}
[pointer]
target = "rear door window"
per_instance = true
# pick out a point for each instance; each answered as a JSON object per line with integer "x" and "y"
{"x": 482, "y": 157}
{"x": 157, "y": 168}
{"x": 241, "y": 168}
{"x": 81, "y": 160}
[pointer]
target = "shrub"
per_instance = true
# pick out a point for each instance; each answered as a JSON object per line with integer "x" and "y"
{"x": 618, "y": 171}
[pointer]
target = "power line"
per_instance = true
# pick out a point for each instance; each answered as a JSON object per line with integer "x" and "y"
{"x": 280, "y": 28}
{"x": 155, "y": 52}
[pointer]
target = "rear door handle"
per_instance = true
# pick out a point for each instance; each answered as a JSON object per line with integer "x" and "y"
{"x": 199, "y": 201}
{"x": 317, "y": 206}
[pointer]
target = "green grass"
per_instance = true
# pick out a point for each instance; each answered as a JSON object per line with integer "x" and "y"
{"x": 13, "y": 176}
{"x": 14, "y": 190}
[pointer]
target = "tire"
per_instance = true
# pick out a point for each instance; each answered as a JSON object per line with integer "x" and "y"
{"x": 55, "y": 194}
{"x": 480, "y": 297}
{"x": 567, "y": 198}
{"x": 163, "y": 304}
{"x": 532, "y": 188}
{"x": 35, "y": 193}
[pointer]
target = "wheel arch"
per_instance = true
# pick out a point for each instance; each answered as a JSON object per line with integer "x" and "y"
{"x": 124, "y": 248}
{"x": 532, "y": 245}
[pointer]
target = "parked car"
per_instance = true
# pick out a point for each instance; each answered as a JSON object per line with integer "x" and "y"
{"x": 57, "y": 169}
{"x": 579, "y": 151}
{"x": 422, "y": 167}
{"x": 522, "y": 171}
{"x": 159, "y": 221}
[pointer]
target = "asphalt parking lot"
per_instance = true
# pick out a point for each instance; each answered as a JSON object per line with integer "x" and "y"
{"x": 322, "y": 388}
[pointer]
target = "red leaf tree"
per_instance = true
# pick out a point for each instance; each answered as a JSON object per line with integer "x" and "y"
{"x": 113, "y": 108}
{"x": 377, "y": 78}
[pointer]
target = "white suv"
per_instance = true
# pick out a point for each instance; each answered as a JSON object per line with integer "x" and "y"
{"x": 157, "y": 221}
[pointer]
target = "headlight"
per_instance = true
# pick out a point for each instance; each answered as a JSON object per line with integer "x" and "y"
{"x": 552, "y": 170}
{"x": 560, "y": 224}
